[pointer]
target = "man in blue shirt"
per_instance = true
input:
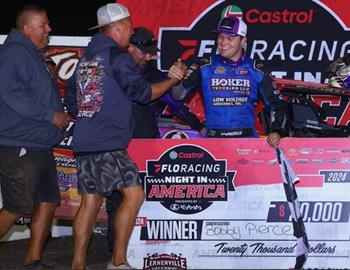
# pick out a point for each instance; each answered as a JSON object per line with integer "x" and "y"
{"x": 32, "y": 121}
{"x": 101, "y": 91}
{"x": 231, "y": 85}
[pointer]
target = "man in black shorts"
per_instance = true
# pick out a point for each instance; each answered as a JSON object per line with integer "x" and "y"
{"x": 32, "y": 121}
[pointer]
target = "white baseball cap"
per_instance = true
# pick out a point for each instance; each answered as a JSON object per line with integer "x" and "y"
{"x": 110, "y": 13}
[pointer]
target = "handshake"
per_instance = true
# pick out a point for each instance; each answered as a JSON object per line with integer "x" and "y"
{"x": 178, "y": 70}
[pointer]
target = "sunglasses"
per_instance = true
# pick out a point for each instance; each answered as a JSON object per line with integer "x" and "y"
{"x": 147, "y": 43}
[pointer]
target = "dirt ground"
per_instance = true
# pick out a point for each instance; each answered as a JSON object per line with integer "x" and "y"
{"x": 58, "y": 253}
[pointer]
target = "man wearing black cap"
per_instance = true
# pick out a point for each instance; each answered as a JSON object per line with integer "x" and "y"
{"x": 231, "y": 85}
{"x": 142, "y": 48}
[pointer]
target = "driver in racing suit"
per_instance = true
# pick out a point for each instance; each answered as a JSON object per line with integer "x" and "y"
{"x": 231, "y": 86}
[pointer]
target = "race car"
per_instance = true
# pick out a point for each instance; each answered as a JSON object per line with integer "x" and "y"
{"x": 315, "y": 109}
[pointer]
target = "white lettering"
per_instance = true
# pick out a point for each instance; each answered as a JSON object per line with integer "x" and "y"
{"x": 292, "y": 49}
{"x": 172, "y": 229}
{"x": 206, "y": 46}
{"x": 278, "y": 50}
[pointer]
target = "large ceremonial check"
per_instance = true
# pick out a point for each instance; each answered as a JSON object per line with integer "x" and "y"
{"x": 221, "y": 204}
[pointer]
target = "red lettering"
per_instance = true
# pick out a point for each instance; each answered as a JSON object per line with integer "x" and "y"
{"x": 265, "y": 17}
{"x": 154, "y": 192}
{"x": 220, "y": 191}
{"x": 286, "y": 16}
{"x": 166, "y": 192}
{"x": 276, "y": 18}
{"x": 251, "y": 16}
{"x": 301, "y": 17}
{"x": 187, "y": 191}
{"x": 345, "y": 117}
{"x": 191, "y": 191}
{"x": 332, "y": 101}
{"x": 207, "y": 191}
{"x": 179, "y": 191}
{"x": 188, "y": 52}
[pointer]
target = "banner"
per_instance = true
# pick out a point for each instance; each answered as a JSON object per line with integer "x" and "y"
{"x": 295, "y": 39}
{"x": 220, "y": 203}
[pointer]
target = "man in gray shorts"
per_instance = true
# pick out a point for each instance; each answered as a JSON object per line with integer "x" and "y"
{"x": 102, "y": 172}
{"x": 100, "y": 93}
{"x": 32, "y": 121}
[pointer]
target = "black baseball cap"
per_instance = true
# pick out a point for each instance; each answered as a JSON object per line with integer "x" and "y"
{"x": 144, "y": 40}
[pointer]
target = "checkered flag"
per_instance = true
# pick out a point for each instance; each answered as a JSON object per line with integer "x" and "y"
{"x": 289, "y": 179}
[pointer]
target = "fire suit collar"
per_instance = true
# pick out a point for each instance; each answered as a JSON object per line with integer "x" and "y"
{"x": 235, "y": 63}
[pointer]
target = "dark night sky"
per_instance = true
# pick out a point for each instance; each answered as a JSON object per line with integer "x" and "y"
{"x": 67, "y": 18}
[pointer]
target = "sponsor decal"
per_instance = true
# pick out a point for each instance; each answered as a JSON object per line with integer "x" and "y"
{"x": 89, "y": 87}
{"x": 66, "y": 60}
{"x": 240, "y": 86}
{"x": 175, "y": 134}
{"x": 243, "y": 151}
{"x": 232, "y": 11}
{"x": 243, "y": 161}
{"x": 345, "y": 161}
{"x": 292, "y": 151}
{"x": 304, "y": 55}
{"x": 66, "y": 171}
{"x": 157, "y": 242}
{"x": 301, "y": 160}
{"x": 318, "y": 160}
{"x": 332, "y": 160}
{"x": 284, "y": 16}
{"x": 187, "y": 179}
{"x": 240, "y": 71}
{"x": 23, "y": 221}
{"x": 66, "y": 143}
{"x": 164, "y": 261}
{"x": 305, "y": 151}
{"x": 319, "y": 151}
{"x": 65, "y": 161}
{"x": 220, "y": 70}
{"x": 230, "y": 101}
{"x": 258, "y": 161}
{"x": 333, "y": 151}
{"x": 141, "y": 221}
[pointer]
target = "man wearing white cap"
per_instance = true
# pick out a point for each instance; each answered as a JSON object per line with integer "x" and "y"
{"x": 231, "y": 85}
{"x": 100, "y": 94}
